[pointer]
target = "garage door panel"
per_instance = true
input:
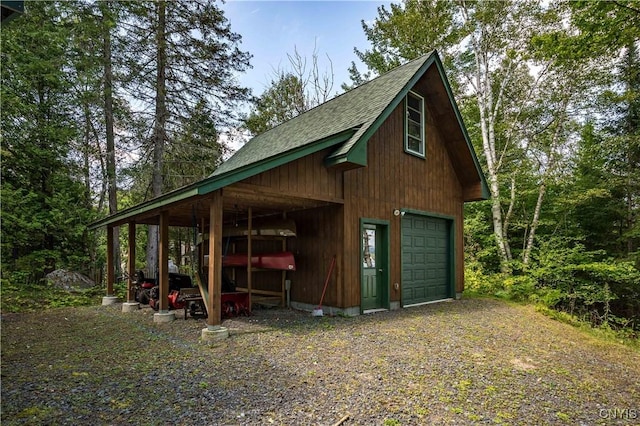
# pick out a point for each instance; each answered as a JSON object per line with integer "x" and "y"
{"x": 425, "y": 259}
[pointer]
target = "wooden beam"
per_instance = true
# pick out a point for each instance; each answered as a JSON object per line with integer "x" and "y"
{"x": 266, "y": 193}
{"x": 283, "y": 290}
{"x": 110, "y": 261}
{"x": 263, "y": 292}
{"x": 131, "y": 261}
{"x": 164, "y": 262}
{"x": 214, "y": 317}
{"x": 201, "y": 250}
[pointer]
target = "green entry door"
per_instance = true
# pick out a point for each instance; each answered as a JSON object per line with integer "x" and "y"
{"x": 426, "y": 257}
{"x": 374, "y": 261}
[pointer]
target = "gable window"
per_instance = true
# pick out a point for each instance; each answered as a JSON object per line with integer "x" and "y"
{"x": 414, "y": 124}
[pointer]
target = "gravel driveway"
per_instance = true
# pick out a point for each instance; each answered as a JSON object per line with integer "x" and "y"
{"x": 474, "y": 361}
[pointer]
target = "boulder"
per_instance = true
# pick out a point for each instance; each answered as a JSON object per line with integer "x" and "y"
{"x": 69, "y": 280}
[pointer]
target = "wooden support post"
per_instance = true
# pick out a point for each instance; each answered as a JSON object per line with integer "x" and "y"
{"x": 131, "y": 261}
{"x": 249, "y": 254}
{"x": 215, "y": 260}
{"x": 163, "y": 259}
{"x": 201, "y": 251}
{"x": 110, "y": 299}
{"x": 110, "y": 261}
{"x": 284, "y": 276}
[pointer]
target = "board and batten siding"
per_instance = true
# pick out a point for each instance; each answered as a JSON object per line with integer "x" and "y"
{"x": 306, "y": 177}
{"x": 319, "y": 239}
{"x": 393, "y": 180}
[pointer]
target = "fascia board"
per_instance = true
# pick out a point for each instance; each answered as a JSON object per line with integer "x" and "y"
{"x": 166, "y": 199}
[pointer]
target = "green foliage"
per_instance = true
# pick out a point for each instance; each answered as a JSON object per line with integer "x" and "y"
{"x": 195, "y": 151}
{"x": 593, "y": 288}
{"x": 585, "y": 260}
{"x": 292, "y": 91}
{"x": 479, "y": 242}
{"x": 44, "y": 209}
{"x": 517, "y": 287}
{"x": 477, "y": 281}
{"x": 21, "y": 295}
{"x": 55, "y": 96}
{"x": 406, "y": 31}
{"x": 196, "y": 57}
{"x": 283, "y": 100}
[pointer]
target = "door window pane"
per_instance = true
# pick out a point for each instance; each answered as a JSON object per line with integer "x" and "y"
{"x": 369, "y": 248}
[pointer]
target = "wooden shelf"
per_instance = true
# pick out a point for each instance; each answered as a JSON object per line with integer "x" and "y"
{"x": 263, "y": 292}
{"x": 272, "y": 296}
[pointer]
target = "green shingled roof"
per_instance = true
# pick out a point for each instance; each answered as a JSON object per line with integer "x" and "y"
{"x": 344, "y": 123}
{"x": 356, "y": 110}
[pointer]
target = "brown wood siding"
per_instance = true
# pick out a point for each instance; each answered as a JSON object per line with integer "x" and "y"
{"x": 392, "y": 180}
{"x": 319, "y": 239}
{"x": 305, "y": 177}
{"x": 319, "y": 231}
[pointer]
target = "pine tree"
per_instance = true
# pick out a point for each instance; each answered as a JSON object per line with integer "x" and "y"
{"x": 44, "y": 210}
{"x": 182, "y": 57}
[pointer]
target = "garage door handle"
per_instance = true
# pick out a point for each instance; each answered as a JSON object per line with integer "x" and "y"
{"x": 379, "y": 270}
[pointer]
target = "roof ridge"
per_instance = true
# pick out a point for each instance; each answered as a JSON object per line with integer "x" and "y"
{"x": 347, "y": 92}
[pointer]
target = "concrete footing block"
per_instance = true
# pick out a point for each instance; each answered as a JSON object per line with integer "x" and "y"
{"x": 163, "y": 317}
{"x": 213, "y": 333}
{"x": 130, "y": 306}
{"x": 109, "y": 300}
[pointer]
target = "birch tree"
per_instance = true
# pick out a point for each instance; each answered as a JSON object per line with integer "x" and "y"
{"x": 485, "y": 47}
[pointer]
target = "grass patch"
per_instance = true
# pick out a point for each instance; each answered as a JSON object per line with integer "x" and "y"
{"x": 623, "y": 336}
{"x": 20, "y": 298}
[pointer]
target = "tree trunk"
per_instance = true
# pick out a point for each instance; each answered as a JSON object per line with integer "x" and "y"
{"x": 159, "y": 129}
{"x": 526, "y": 255}
{"x": 484, "y": 98}
{"x": 507, "y": 216}
{"x": 630, "y": 201}
{"x": 108, "y": 118}
{"x": 632, "y": 120}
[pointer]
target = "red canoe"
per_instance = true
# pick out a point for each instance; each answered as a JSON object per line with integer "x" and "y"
{"x": 279, "y": 260}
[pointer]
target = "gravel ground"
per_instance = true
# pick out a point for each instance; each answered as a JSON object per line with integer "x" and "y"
{"x": 474, "y": 361}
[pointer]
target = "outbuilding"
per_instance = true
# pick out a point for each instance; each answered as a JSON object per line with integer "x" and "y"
{"x": 376, "y": 178}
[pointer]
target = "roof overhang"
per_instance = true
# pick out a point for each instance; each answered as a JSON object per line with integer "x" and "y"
{"x": 11, "y": 9}
{"x": 148, "y": 211}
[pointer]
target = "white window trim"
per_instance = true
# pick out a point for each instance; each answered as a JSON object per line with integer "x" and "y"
{"x": 406, "y": 126}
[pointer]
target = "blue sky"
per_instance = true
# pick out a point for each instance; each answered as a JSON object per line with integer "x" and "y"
{"x": 271, "y": 29}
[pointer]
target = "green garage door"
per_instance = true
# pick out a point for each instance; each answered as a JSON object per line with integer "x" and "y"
{"x": 425, "y": 259}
